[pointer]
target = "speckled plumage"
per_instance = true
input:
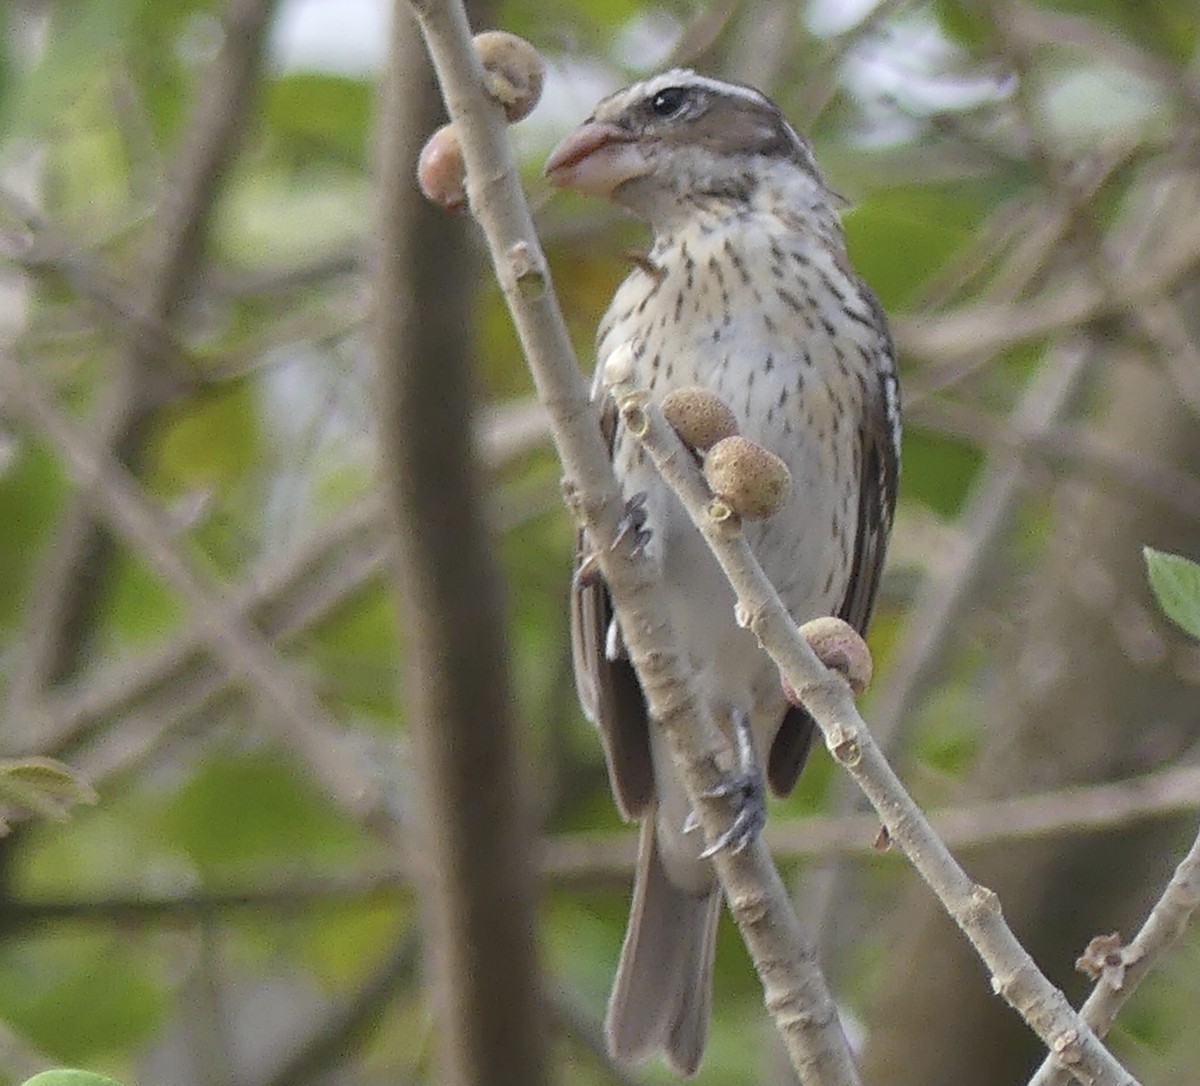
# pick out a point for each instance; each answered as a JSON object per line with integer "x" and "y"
{"x": 747, "y": 291}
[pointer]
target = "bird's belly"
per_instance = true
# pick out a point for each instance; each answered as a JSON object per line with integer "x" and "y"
{"x": 804, "y": 558}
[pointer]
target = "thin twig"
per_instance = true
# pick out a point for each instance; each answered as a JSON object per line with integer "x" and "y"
{"x": 933, "y": 617}
{"x": 327, "y": 1045}
{"x": 63, "y": 610}
{"x": 284, "y": 597}
{"x": 1163, "y": 927}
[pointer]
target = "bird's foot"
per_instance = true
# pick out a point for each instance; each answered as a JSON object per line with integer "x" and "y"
{"x": 744, "y": 789}
{"x": 633, "y": 523}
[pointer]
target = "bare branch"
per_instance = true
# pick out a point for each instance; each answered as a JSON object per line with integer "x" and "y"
{"x": 796, "y": 993}
{"x": 933, "y": 617}
{"x": 68, "y": 584}
{"x": 1163, "y": 927}
{"x": 827, "y": 697}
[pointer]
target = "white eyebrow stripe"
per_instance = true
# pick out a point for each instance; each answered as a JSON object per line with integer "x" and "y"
{"x": 686, "y": 77}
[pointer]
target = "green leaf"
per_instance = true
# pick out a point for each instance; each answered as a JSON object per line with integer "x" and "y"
{"x": 69, "y": 1078}
{"x": 41, "y": 786}
{"x": 1176, "y": 584}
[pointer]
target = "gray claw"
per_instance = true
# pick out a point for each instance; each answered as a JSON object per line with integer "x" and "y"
{"x": 633, "y": 522}
{"x": 745, "y": 791}
{"x": 746, "y": 795}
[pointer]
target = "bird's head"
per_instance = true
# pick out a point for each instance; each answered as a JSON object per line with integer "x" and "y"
{"x": 678, "y": 140}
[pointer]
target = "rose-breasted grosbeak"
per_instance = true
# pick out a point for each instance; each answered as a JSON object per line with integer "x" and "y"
{"x": 747, "y": 291}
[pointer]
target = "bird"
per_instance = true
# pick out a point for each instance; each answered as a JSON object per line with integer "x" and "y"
{"x": 746, "y": 290}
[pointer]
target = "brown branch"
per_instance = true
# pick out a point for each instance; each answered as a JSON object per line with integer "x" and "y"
{"x": 283, "y": 598}
{"x": 1166, "y": 923}
{"x": 327, "y": 1045}
{"x": 934, "y": 616}
{"x": 474, "y": 827}
{"x": 607, "y": 858}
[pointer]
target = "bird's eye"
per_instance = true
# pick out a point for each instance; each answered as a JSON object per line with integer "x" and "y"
{"x": 668, "y": 102}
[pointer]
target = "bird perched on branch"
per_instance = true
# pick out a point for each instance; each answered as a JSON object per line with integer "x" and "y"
{"x": 746, "y": 291}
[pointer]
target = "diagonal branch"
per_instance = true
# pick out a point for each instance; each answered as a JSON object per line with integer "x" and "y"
{"x": 795, "y": 991}
{"x": 828, "y": 698}
{"x": 61, "y": 614}
{"x": 116, "y": 498}
{"x": 1163, "y": 927}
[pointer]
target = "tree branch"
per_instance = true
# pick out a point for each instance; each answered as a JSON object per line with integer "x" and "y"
{"x": 795, "y": 991}
{"x": 73, "y": 571}
{"x": 1163, "y": 927}
{"x": 827, "y": 697}
{"x": 472, "y": 815}
{"x": 116, "y": 498}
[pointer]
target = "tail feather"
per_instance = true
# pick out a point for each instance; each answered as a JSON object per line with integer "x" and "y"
{"x": 663, "y": 989}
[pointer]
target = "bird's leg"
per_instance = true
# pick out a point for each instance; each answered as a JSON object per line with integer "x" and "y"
{"x": 633, "y": 522}
{"x": 743, "y": 787}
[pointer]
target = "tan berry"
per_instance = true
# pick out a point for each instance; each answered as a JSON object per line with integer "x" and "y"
{"x": 515, "y": 71}
{"x": 441, "y": 171}
{"x": 839, "y": 646}
{"x": 700, "y": 417}
{"x": 751, "y": 480}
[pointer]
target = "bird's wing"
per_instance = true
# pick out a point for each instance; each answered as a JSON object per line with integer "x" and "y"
{"x": 608, "y": 689}
{"x": 878, "y": 479}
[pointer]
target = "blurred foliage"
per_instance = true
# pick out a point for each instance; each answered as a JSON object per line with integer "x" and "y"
{"x": 175, "y": 881}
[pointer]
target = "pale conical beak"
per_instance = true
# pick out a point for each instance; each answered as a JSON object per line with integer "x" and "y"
{"x": 595, "y": 159}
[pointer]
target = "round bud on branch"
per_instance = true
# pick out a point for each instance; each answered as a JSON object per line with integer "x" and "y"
{"x": 748, "y": 478}
{"x": 441, "y": 170}
{"x": 700, "y": 417}
{"x": 840, "y": 646}
{"x": 515, "y": 71}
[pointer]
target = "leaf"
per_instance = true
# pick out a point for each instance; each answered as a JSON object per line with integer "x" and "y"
{"x": 41, "y": 786}
{"x": 1176, "y": 584}
{"x": 69, "y": 1078}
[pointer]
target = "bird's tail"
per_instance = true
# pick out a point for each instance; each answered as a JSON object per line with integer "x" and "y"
{"x": 663, "y": 990}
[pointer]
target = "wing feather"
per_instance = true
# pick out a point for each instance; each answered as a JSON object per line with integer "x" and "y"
{"x": 608, "y": 689}
{"x": 879, "y": 436}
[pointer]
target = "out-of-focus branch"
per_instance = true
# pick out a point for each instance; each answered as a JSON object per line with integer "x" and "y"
{"x": 795, "y": 991}
{"x": 1165, "y": 924}
{"x": 19, "y": 1060}
{"x": 471, "y": 816}
{"x": 326, "y": 1045}
{"x": 575, "y": 859}
{"x": 937, "y": 609}
{"x": 283, "y": 597}
{"x": 65, "y": 596}
{"x": 583, "y": 1026}
{"x": 989, "y": 328}
{"x": 1073, "y": 446}
{"x": 976, "y": 909}
{"x": 115, "y": 497}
